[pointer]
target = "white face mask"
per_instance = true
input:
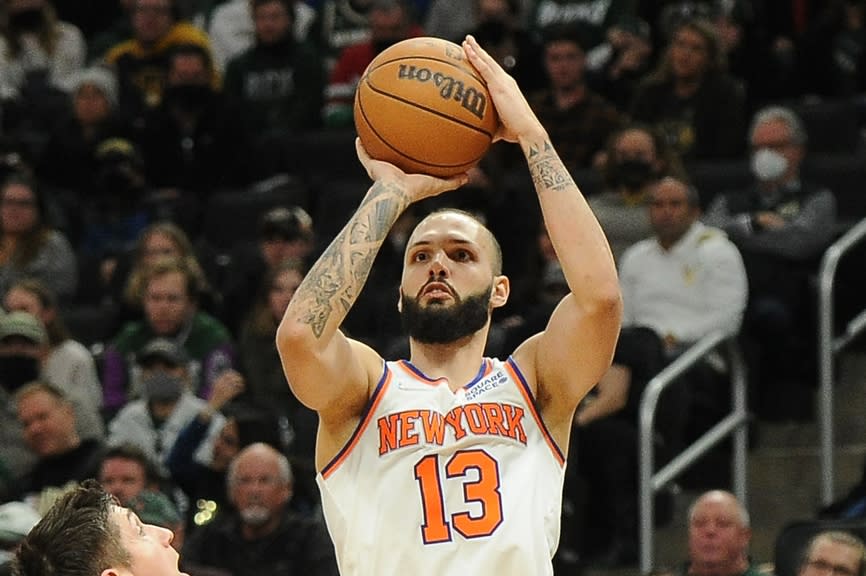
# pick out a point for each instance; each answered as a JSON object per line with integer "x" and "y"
{"x": 768, "y": 165}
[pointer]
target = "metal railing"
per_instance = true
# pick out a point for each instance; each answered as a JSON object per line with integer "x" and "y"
{"x": 735, "y": 423}
{"x": 830, "y": 346}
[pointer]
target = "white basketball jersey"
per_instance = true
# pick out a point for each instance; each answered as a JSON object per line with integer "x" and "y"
{"x": 435, "y": 482}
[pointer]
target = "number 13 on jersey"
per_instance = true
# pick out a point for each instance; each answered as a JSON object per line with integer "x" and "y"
{"x": 477, "y": 472}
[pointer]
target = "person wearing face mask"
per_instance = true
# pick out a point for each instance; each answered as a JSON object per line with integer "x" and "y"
{"x": 262, "y": 536}
{"x": 781, "y": 224}
{"x": 166, "y": 406}
{"x": 637, "y": 157}
{"x": 190, "y": 143}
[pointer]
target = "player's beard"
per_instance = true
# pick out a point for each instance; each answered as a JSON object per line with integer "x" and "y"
{"x": 441, "y": 323}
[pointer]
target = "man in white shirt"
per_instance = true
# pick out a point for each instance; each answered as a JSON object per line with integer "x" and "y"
{"x": 678, "y": 286}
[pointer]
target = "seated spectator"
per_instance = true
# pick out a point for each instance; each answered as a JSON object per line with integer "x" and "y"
{"x": 126, "y": 273}
{"x": 781, "y": 224}
{"x": 170, "y": 291}
{"x": 166, "y": 404}
{"x": 616, "y": 66}
{"x": 833, "y": 551}
{"x": 690, "y": 98}
{"x": 232, "y": 28}
{"x": 191, "y": 144}
{"x": 389, "y": 22}
{"x": 263, "y": 537}
{"x": 141, "y": 62}
{"x": 60, "y": 360}
{"x": 578, "y": 120}
{"x": 68, "y": 160}
{"x": 36, "y": 48}
{"x": 719, "y": 536}
{"x": 276, "y": 85}
{"x": 262, "y": 370}
{"x": 636, "y": 158}
{"x": 205, "y": 483}
{"x": 682, "y": 284}
{"x": 129, "y": 475}
{"x": 31, "y": 247}
{"x": 47, "y": 419}
{"x": 284, "y": 233}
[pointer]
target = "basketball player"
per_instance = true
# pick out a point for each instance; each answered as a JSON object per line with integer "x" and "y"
{"x": 87, "y": 532}
{"x": 450, "y": 461}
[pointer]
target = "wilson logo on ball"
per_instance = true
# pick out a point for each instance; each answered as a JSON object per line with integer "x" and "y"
{"x": 449, "y": 88}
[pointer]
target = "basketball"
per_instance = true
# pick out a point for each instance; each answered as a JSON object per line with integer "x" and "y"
{"x": 422, "y": 107}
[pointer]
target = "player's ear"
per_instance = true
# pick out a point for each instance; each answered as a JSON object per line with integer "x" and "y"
{"x": 500, "y": 292}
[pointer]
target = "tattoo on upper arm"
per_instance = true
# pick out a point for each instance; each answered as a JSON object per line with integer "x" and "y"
{"x": 547, "y": 170}
{"x": 334, "y": 282}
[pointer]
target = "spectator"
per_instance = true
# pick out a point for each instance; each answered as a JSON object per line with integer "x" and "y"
{"x": 616, "y": 66}
{"x": 232, "y": 28}
{"x": 677, "y": 287}
{"x": 837, "y": 552}
{"x": 31, "y": 248}
{"x": 261, "y": 366}
{"x": 719, "y": 536}
{"x": 578, "y": 120}
{"x": 38, "y": 50}
{"x": 47, "y": 419}
{"x": 205, "y": 483}
{"x": 635, "y": 159}
{"x": 284, "y": 233}
{"x": 127, "y": 473}
{"x": 161, "y": 239}
{"x": 63, "y": 361}
{"x": 276, "y": 84}
{"x": 191, "y": 144}
{"x": 389, "y": 21}
{"x": 117, "y": 31}
{"x": 263, "y": 538}
{"x": 68, "y": 160}
{"x": 450, "y": 19}
{"x": 170, "y": 299}
{"x": 141, "y": 62}
{"x": 690, "y": 98}
{"x": 781, "y": 224}
{"x": 166, "y": 406}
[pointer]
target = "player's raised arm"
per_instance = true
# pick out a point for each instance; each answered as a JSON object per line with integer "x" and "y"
{"x": 576, "y": 348}
{"x": 326, "y": 370}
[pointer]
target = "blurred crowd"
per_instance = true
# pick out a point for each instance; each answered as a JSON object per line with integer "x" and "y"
{"x": 170, "y": 168}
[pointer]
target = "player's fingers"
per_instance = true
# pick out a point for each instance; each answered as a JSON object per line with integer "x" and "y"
{"x": 477, "y": 55}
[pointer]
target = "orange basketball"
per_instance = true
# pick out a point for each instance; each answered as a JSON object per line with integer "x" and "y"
{"x": 422, "y": 106}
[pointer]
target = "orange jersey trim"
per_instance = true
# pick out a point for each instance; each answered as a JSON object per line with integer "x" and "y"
{"x": 377, "y": 396}
{"x": 512, "y": 368}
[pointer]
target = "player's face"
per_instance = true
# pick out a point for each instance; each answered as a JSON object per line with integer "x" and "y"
{"x": 149, "y": 546}
{"x": 716, "y": 532}
{"x": 448, "y": 282}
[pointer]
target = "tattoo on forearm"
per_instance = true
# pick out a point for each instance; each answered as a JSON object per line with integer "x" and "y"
{"x": 547, "y": 170}
{"x": 334, "y": 282}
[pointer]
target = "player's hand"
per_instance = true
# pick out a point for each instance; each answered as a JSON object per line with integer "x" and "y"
{"x": 417, "y": 186}
{"x": 516, "y": 117}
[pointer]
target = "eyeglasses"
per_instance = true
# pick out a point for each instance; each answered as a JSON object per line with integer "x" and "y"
{"x": 826, "y": 567}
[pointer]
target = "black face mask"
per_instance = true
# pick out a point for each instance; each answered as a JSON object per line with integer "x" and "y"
{"x": 633, "y": 174}
{"x": 16, "y": 371}
{"x": 26, "y": 20}
{"x": 188, "y": 97}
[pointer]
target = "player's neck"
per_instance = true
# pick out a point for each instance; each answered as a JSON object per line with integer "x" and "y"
{"x": 458, "y": 361}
